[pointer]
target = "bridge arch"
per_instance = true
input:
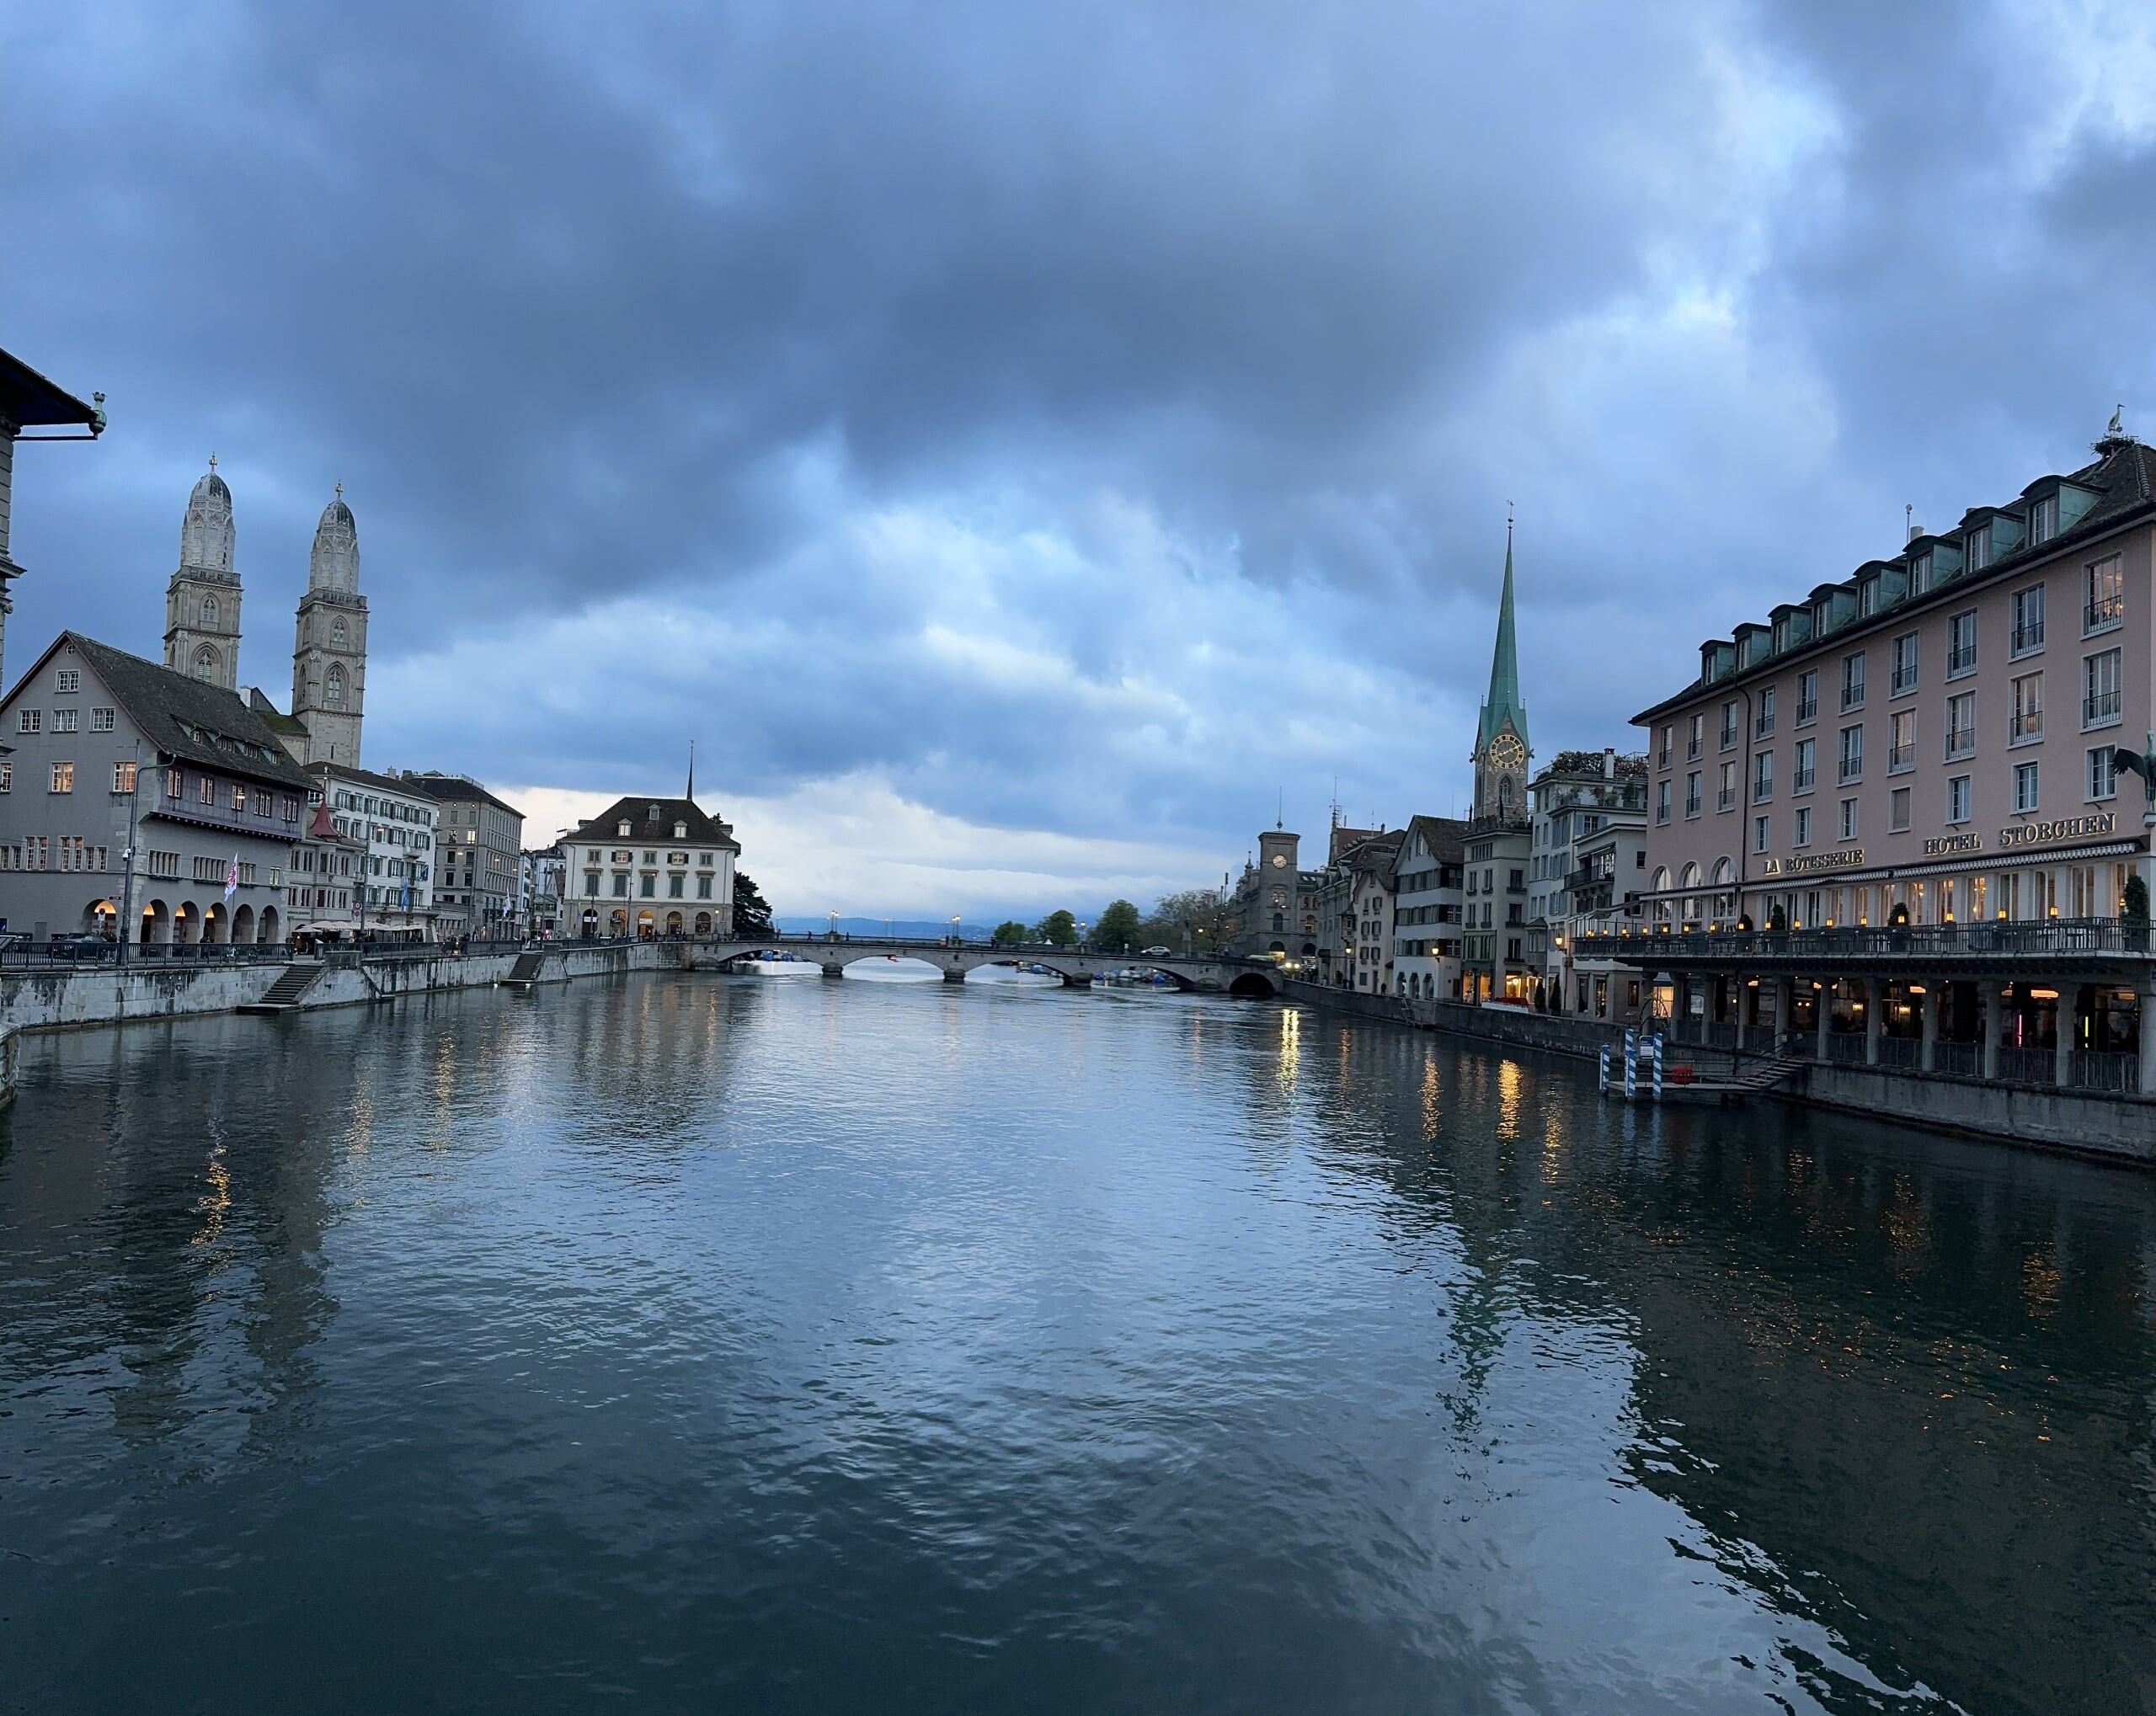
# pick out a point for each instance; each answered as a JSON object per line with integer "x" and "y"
{"x": 1254, "y": 985}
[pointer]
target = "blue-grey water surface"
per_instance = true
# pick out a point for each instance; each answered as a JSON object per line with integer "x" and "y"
{"x": 692, "y": 1343}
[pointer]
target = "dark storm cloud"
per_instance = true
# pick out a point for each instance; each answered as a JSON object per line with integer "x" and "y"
{"x": 673, "y": 305}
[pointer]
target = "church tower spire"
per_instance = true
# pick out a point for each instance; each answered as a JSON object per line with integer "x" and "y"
{"x": 1501, "y": 745}
{"x": 329, "y": 645}
{"x": 202, "y": 600}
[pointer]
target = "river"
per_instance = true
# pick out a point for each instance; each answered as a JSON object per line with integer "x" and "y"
{"x": 682, "y": 1342}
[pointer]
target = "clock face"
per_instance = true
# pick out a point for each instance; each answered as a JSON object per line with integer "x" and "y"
{"x": 1279, "y": 861}
{"x": 1506, "y": 751}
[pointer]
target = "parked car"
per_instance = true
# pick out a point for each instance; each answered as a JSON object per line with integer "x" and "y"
{"x": 86, "y": 947}
{"x": 1156, "y": 953}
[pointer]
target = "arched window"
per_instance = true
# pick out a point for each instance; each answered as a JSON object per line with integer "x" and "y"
{"x": 333, "y": 686}
{"x": 1725, "y": 907}
{"x": 337, "y": 634}
{"x": 209, "y": 613}
{"x": 1688, "y": 880}
{"x": 1661, "y": 888}
{"x": 1280, "y": 921}
{"x": 205, "y": 663}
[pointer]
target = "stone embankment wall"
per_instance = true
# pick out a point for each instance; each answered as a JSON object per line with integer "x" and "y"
{"x": 55, "y": 999}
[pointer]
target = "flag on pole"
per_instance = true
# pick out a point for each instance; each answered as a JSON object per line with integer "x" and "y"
{"x": 232, "y": 876}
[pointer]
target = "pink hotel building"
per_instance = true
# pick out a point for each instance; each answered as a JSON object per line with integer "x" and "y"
{"x": 1887, "y": 824}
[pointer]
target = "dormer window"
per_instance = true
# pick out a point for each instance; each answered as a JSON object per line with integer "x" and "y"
{"x": 680, "y": 831}
{"x": 2043, "y": 518}
{"x": 1919, "y": 573}
{"x": 1867, "y": 596}
{"x": 621, "y": 828}
{"x": 1977, "y": 546}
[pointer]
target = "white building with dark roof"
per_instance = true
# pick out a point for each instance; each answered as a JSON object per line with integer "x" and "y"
{"x": 651, "y": 866}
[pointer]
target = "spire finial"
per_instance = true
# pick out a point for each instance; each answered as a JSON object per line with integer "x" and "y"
{"x": 340, "y": 491}
{"x": 691, "y": 794}
{"x": 213, "y": 462}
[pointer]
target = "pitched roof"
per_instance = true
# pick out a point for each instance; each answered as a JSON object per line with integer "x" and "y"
{"x": 367, "y": 777}
{"x": 1445, "y": 836}
{"x": 186, "y": 719}
{"x": 27, "y": 398}
{"x": 271, "y": 717}
{"x": 462, "y": 788}
{"x": 654, "y": 819}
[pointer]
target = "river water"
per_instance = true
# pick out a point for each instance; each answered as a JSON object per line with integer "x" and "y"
{"x": 682, "y": 1343}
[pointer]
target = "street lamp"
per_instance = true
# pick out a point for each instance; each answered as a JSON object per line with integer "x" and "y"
{"x": 954, "y": 929}
{"x": 831, "y": 926}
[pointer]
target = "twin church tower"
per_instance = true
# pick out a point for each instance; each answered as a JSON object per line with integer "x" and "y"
{"x": 329, "y": 645}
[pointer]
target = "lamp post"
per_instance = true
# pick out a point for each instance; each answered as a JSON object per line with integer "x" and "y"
{"x": 126, "y": 927}
{"x": 954, "y": 929}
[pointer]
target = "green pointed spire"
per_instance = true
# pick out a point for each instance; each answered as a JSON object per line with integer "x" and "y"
{"x": 1503, "y": 698}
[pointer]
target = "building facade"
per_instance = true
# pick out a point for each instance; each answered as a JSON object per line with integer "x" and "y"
{"x": 479, "y": 842}
{"x": 1912, "y": 777}
{"x": 1586, "y": 863}
{"x": 1429, "y": 899}
{"x": 395, "y": 825}
{"x": 108, "y": 749}
{"x": 1369, "y": 868}
{"x": 1273, "y": 907}
{"x": 651, "y": 867}
{"x": 321, "y": 880}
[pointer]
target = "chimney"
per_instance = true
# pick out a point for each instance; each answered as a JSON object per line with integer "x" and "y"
{"x": 1609, "y": 762}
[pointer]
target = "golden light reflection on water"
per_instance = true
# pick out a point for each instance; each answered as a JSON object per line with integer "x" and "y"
{"x": 1291, "y": 1047}
{"x": 359, "y": 1132}
{"x": 217, "y": 1198}
{"x": 2040, "y": 1280}
{"x": 1509, "y": 1080}
{"x": 1433, "y": 1099}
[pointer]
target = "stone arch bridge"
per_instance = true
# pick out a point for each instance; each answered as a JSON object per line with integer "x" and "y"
{"x": 1077, "y": 967}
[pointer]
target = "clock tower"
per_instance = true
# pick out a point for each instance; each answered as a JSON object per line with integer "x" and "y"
{"x": 1501, "y": 747}
{"x": 1276, "y": 913}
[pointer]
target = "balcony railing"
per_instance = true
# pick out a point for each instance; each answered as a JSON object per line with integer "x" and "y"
{"x": 1800, "y": 782}
{"x": 1852, "y": 769}
{"x": 1729, "y": 739}
{"x": 1960, "y": 742}
{"x": 1763, "y": 725}
{"x": 2029, "y": 724}
{"x": 1900, "y": 757}
{"x": 2028, "y": 639}
{"x": 1691, "y": 750}
{"x": 1852, "y": 696}
{"x": 1962, "y": 660}
{"x": 1905, "y": 680}
{"x": 2102, "y": 707}
{"x": 2103, "y": 614}
{"x": 2110, "y": 940}
{"x": 1728, "y": 797}
{"x": 1692, "y": 806}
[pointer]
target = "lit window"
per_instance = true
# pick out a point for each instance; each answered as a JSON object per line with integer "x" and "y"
{"x": 63, "y": 777}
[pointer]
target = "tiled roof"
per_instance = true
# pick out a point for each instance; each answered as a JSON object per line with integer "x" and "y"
{"x": 2123, "y": 477}
{"x": 654, "y": 819}
{"x": 1445, "y": 836}
{"x": 456, "y": 787}
{"x": 188, "y": 719}
{"x": 368, "y": 777}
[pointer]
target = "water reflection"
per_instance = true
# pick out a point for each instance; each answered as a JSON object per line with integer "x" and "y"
{"x": 823, "y": 1345}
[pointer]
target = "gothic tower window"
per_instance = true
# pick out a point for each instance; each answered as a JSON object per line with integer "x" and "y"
{"x": 334, "y": 686}
{"x": 205, "y": 663}
{"x": 337, "y": 634}
{"x": 209, "y": 613}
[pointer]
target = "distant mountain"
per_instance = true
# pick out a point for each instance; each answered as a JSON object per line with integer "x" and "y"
{"x": 919, "y": 929}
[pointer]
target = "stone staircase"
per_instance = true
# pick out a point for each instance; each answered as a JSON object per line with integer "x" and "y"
{"x": 525, "y": 973}
{"x": 1764, "y": 1073}
{"x": 284, "y": 995}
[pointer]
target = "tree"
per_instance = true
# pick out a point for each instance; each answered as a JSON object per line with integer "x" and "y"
{"x": 2137, "y": 899}
{"x": 1190, "y": 918}
{"x": 1010, "y": 933}
{"x": 1118, "y": 927}
{"x": 1059, "y": 929}
{"x": 752, "y": 912}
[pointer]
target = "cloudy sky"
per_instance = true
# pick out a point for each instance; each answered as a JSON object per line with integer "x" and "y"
{"x": 1017, "y": 442}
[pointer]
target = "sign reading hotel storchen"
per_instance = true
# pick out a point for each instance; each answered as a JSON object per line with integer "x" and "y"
{"x": 2072, "y": 828}
{"x": 1808, "y": 861}
{"x": 1944, "y": 845}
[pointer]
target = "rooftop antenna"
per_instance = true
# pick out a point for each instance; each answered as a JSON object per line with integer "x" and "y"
{"x": 692, "y": 771}
{"x": 1280, "y": 810}
{"x": 1908, "y": 521}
